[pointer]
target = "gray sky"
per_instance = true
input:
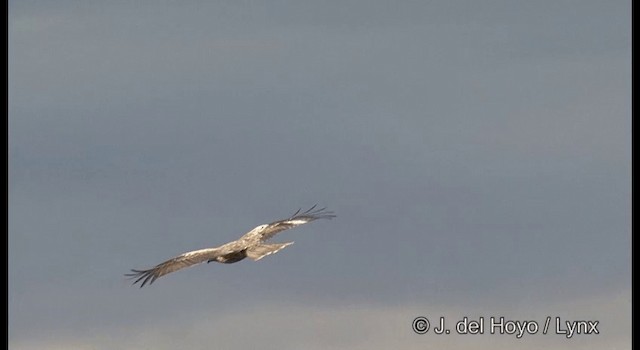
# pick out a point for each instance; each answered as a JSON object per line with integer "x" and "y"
{"x": 477, "y": 154}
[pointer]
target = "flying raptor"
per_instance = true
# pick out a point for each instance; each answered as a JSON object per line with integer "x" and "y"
{"x": 251, "y": 245}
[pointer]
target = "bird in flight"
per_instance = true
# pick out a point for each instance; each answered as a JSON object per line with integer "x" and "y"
{"x": 251, "y": 245}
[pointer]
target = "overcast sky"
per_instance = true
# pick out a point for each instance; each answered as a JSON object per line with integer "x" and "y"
{"x": 477, "y": 155}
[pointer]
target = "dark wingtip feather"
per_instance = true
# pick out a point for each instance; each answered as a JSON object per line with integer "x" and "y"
{"x": 142, "y": 275}
{"x": 310, "y": 209}
{"x": 314, "y": 214}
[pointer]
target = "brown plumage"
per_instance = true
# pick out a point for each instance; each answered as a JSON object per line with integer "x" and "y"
{"x": 250, "y": 245}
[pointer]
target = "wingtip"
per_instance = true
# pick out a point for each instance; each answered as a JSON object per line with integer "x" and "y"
{"x": 144, "y": 276}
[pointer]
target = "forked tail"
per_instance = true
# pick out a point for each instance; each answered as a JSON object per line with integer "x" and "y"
{"x": 260, "y": 251}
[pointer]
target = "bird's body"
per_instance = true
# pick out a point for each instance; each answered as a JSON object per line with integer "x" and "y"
{"x": 252, "y": 245}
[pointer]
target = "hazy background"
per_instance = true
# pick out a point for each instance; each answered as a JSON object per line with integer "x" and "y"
{"x": 477, "y": 154}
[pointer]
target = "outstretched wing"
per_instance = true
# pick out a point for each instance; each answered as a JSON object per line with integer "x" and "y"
{"x": 172, "y": 265}
{"x": 297, "y": 219}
